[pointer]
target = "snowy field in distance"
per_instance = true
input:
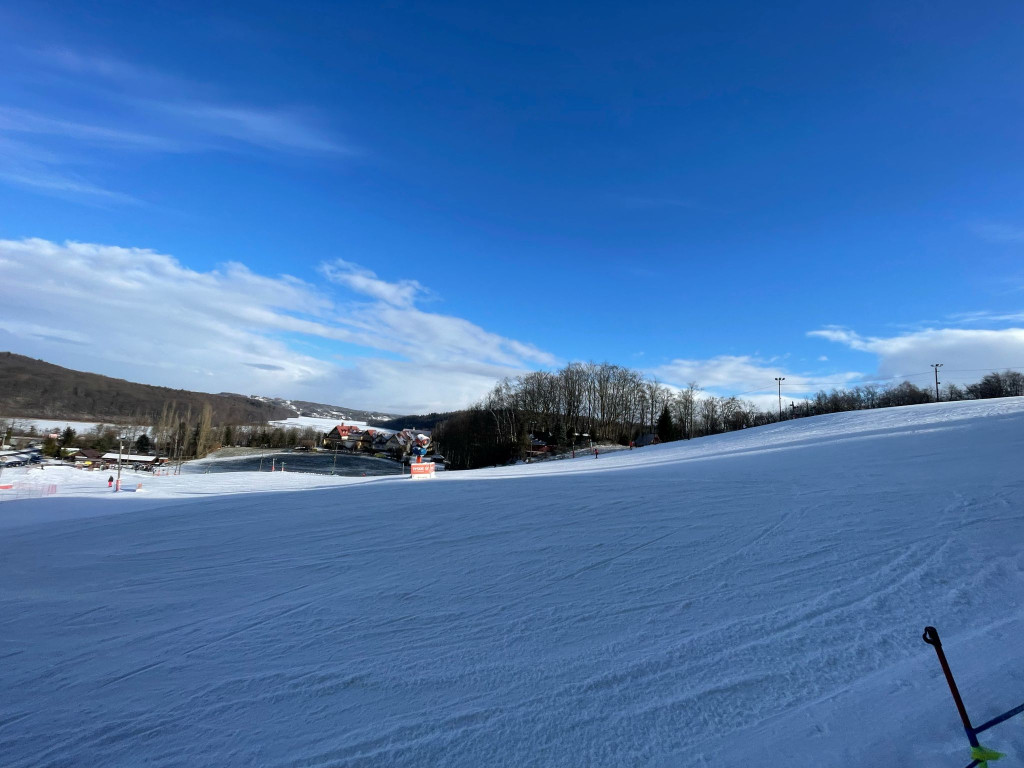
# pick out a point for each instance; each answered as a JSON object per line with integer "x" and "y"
{"x": 750, "y": 599}
{"x": 324, "y": 425}
{"x": 58, "y": 425}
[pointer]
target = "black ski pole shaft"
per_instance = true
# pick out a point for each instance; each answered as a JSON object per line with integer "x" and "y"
{"x": 931, "y": 636}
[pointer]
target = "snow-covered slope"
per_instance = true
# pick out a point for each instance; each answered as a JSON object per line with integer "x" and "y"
{"x": 324, "y": 424}
{"x": 752, "y": 599}
{"x": 331, "y": 414}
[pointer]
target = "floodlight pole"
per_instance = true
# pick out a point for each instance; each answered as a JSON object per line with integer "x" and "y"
{"x": 779, "y": 380}
{"x": 936, "y": 366}
{"x": 120, "y": 445}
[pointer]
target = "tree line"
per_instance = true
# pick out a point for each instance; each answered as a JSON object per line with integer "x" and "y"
{"x": 180, "y": 433}
{"x": 1008, "y": 383}
{"x": 592, "y": 401}
{"x": 575, "y": 406}
{"x": 601, "y": 402}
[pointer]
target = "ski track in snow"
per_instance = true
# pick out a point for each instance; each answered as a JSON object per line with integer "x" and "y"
{"x": 746, "y": 599}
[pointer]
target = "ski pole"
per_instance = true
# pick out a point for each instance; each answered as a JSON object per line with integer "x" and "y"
{"x": 931, "y": 636}
{"x": 982, "y": 755}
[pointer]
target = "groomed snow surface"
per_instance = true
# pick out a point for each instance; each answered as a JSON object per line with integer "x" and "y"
{"x": 750, "y": 599}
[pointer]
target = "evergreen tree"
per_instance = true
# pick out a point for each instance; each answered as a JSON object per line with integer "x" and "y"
{"x": 561, "y": 439}
{"x": 525, "y": 442}
{"x": 143, "y": 444}
{"x": 665, "y": 430}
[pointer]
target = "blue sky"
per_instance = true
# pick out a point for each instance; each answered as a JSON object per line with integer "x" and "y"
{"x": 391, "y": 205}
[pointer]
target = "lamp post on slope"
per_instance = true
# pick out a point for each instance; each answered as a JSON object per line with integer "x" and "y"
{"x": 779, "y": 380}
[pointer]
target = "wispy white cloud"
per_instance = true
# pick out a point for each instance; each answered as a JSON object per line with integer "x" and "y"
{"x": 231, "y": 329}
{"x": 186, "y": 117}
{"x": 25, "y": 328}
{"x": 278, "y": 129}
{"x": 14, "y": 120}
{"x": 34, "y": 168}
{"x": 974, "y": 318}
{"x": 196, "y": 107}
{"x": 49, "y": 182}
{"x": 97, "y": 65}
{"x": 746, "y": 375}
{"x": 392, "y": 322}
{"x": 965, "y": 353}
{"x": 361, "y": 280}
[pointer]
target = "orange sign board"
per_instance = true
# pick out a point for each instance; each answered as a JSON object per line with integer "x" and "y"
{"x": 422, "y": 470}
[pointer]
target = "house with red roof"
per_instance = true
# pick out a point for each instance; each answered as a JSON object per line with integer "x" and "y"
{"x": 342, "y": 436}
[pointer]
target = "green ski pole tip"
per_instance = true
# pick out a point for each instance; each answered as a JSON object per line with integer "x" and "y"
{"x": 984, "y": 754}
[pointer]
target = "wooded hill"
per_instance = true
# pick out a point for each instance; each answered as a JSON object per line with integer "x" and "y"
{"x": 34, "y": 388}
{"x": 412, "y": 421}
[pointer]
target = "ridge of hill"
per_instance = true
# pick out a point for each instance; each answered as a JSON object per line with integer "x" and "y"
{"x": 418, "y": 421}
{"x": 37, "y": 389}
{"x": 307, "y": 409}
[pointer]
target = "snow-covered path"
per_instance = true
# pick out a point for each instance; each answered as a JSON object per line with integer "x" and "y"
{"x": 752, "y": 599}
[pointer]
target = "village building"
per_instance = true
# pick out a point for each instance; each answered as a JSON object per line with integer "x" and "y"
{"x": 342, "y": 436}
{"x": 18, "y": 458}
{"x": 131, "y": 459}
{"x": 88, "y": 457}
{"x": 538, "y": 447}
{"x": 399, "y": 443}
{"x": 365, "y": 440}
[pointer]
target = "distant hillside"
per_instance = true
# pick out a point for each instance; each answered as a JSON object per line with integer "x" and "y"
{"x": 421, "y": 421}
{"x": 323, "y": 411}
{"x": 34, "y": 388}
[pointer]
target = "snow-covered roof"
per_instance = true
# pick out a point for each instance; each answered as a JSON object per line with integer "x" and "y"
{"x": 126, "y": 457}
